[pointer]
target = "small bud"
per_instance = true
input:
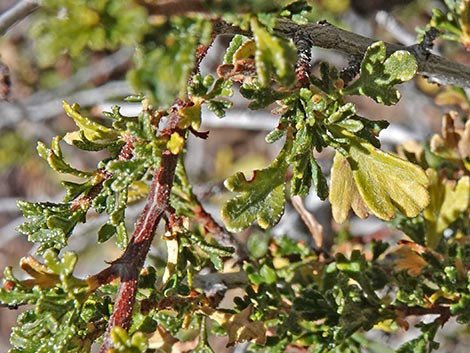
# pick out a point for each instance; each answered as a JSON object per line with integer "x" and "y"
{"x": 339, "y": 84}
{"x": 9, "y": 285}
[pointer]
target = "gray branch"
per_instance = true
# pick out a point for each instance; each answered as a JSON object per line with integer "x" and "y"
{"x": 14, "y": 112}
{"x": 16, "y": 13}
{"x": 325, "y": 35}
{"x": 438, "y": 69}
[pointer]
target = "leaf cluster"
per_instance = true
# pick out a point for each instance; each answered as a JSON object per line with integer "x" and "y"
{"x": 290, "y": 294}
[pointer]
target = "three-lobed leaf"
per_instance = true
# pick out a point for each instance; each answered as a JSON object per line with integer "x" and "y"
{"x": 260, "y": 199}
{"x": 383, "y": 181}
{"x": 379, "y": 74}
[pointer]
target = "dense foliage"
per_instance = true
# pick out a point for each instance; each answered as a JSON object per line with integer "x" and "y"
{"x": 318, "y": 298}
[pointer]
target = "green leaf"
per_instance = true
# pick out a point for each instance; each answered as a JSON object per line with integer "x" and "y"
{"x": 84, "y": 144}
{"x": 274, "y": 56}
{"x": 306, "y": 168}
{"x": 260, "y": 199}
{"x": 260, "y": 96}
{"x": 92, "y": 130}
{"x": 379, "y": 74}
{"x": 54, "y": 157}
{"x": 237, "y": 49}
{"x": 106, "y": 232}
{"x": 424, "y": 343}
{"x": 449, "y": 199}
{"x": 48, "y": 223}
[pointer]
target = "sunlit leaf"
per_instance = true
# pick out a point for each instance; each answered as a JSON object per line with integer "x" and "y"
{"x": 260, "y": 199}
{"x": 343, "y": 191}
{"x": 379, "y": 74}
{"x": 448, "y": 200}
{"x": 386, "y": 181}
{"x": 92, "y": 130}
{"x": 274, "y": 56}
{"x": 56, "y": 160}
{"x": 383, "y": 181}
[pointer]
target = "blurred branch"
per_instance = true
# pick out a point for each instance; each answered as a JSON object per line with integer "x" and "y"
{"x": 16, "y": 13}
{"x": 315, "y": 228}
{"x": 391, "y": 25}
{"x": 103, "y": 67}
{"x": 14, "y": 112}
{"x": 8, "y": 205}
{"x": 213, "y": 283}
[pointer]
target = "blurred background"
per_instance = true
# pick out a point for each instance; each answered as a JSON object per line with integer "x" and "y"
{"x": 32, "y": 89}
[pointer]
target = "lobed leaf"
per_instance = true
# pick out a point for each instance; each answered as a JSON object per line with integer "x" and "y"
{"x": 385, "y": 181}
{"x": 92, "y": 130}
{"x": 56, "y": 160}
{"x": 49, "y": 224}
{"x": 344, "y": 194}
{"x": 260, "y": 199}
{"x": 305, "y": 166}
{"x": 380, "y": 182}
{"x": 379, "y": 74}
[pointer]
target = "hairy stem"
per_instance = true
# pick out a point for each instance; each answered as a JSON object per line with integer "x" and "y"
{"x": 129, "y": 265}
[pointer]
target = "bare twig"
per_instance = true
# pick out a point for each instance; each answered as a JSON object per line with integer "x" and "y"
{"x": 16, "y": 13}
{"x": 315, "y": 228}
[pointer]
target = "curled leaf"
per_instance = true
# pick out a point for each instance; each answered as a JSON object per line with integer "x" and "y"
{"x": 273, "y": 55}
{"x": 92, "y": 130}
{"x": 453, "y": 143}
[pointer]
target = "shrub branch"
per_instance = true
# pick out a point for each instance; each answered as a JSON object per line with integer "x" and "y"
{"x": 128, "y": 266}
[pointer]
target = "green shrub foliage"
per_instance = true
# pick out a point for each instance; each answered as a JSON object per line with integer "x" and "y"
{"x": 318, "y": 298}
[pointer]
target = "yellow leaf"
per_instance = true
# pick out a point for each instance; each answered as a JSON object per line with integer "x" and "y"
{"x": 176, "y": 143}
{"x": 386, "y": 181}
{"x": 191, "y": 115}
{"x": 241, "y": 328}
{"x": 448, "y": 200}
{"x": 409, "y": 261}
{"x": 343, "y": 191}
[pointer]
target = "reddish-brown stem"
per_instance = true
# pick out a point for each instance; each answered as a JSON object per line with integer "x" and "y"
{"x": 220, "y": 234}
{"x": 419, "y": 311}
{"x": 443, "y": 311}
{"x": 129, "y": 265}
{"x": 132, "y": 261}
